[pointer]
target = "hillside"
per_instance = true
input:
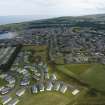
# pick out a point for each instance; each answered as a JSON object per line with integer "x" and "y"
{"x": 71, "y": 21}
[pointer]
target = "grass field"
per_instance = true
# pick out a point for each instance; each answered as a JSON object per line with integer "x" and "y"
{"x": 93, "y": 74}
{"x": 38, "y": 51}
{"x": 78, "y": 68}
{"x": 46, "y": 98}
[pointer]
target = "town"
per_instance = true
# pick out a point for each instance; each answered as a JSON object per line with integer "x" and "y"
{"x": 71, "y": 45}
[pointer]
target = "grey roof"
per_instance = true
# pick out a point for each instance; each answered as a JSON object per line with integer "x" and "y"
{"x": 63, "y": 88}
{"x": 19, "y": 91}
{"x": 41, "y": 86}
{"x": 49, "y": 86}
{"x": 53, "y": 77}
{"x": 56, "y": 85}
{"x": 34, "y": 89}
{"x": 5, "y": 98}
{"x": 5, "y": 90}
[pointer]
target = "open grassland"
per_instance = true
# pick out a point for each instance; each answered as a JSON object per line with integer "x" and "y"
{"x": 93, "y": 74}
{"x": 95, "y": 77}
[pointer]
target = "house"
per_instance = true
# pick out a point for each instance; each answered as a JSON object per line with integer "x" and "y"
{"x": 41, "y": 87}
{"x": 6, "y": 99}
{"x": 5, "y": 90}
{"x": 36, "y": 77}
{"x": 75, "y": 92}
{"x": 56, "y": 85}
{"x": 10, "y": 85}
{"x": 10, "y": 79}
{"x": 24, "y": 82}
{"x": 53, "y": 77}
{"x": 49, "y": 86}
{"x": 37, "y": 74}
{"x": 20, "y": 92}
{"x": 34, "y": 89}
{"x": 63, "y": 88}
{"x": 22, "y": 71}
{"x": 14, "y": 102}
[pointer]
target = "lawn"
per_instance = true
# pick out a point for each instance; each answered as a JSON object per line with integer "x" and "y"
{"x": 78, "y": 68}
{"x": 45, "y": 98}
{"x": 92, "y": 74}
{"x": 95, "y": 77}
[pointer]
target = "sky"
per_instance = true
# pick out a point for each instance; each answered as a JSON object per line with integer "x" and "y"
{"x": 51, "y": 8}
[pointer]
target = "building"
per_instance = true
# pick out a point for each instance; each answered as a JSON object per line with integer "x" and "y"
{"x": 10, "y": 79}
{"x": 56, "y": 85}
{"x": 24, "y": 82}
{"x": 41, "y": 87}
{"x": 49, "y": 86}
{"x": 5, "y": 90}
{"x": 34, "y": 89}
{"x": 75, "y": 92}
{"x": 10, "y": 85}
{"x": 36, "y": 77}
{"x": 20, "y": 92}
{"x": 63, "y": 88}
{"x": 22, "y": 71}
{"x": 14, "y": 102}
{"x": 6, "y": 99}
{"x": 53, "y": 77}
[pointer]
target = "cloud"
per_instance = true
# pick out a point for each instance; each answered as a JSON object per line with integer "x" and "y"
{"x": 51, "y": 7}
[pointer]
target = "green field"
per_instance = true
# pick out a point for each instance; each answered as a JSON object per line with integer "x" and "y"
{"x": 37, "y": 51}
{"x": 93, "y": 74}
{"x": 46, "y": 98}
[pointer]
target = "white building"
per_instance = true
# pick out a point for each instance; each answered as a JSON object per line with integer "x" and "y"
{"x": 34, "y": 89}
{"x": 41, "y": 87}
{"x": 25, "y": 82}
{"x": 20, "y": 92}
{"x": 6, "y": 99}
{"x": 75, "y": 92}
{"x": 4, "y": 90}
{"x": 14, "y": 102}
{"x": 53, "y": 77}
{"x": 49, "y": 86}
{"x": 63, "y": 88}
{"x": 56, "y": 85}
